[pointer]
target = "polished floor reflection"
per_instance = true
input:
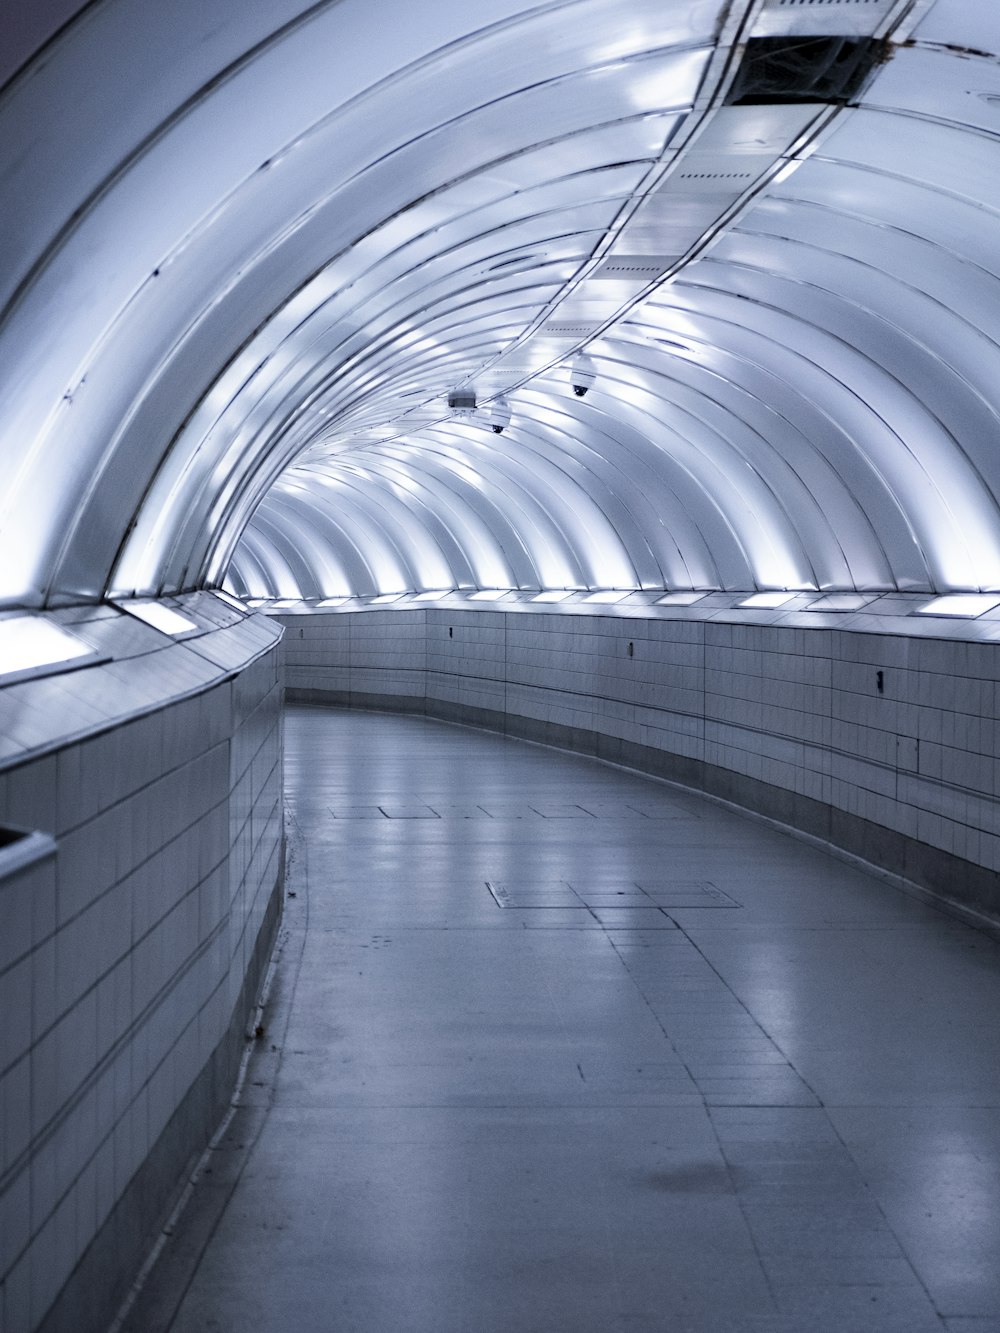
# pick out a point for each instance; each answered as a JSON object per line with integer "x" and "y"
{"x": 554, "y": 1048}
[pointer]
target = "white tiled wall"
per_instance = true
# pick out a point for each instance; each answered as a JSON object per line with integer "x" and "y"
{"x": 123, "y": 955}
{"x": 796, "y": 708}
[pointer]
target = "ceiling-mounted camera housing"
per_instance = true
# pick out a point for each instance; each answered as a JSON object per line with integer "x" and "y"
{"x": 462, "y": 402}
{"x": 582, "y": 374}
{"x": 499, "y": 415}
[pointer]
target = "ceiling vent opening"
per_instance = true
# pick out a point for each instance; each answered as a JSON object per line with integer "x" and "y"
{"x": 799, "y": 4}
{"x": 784, "y": 70}
{"x": 564, "y": 329}
{"x": 634, "y": 267}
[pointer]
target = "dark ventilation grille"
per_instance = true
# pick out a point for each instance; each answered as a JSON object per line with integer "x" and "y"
{"x": 803, "y": 69}
{"x": 735, "y": 176}
{"x": 564, "y": 329}
{"x": 635, "y": 267}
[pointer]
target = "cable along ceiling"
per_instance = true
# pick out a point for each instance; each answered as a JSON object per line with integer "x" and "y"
{"x": 235, "y": 316}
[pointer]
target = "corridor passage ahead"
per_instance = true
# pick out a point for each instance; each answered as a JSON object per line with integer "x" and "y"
{"x": 555, "y": 1048}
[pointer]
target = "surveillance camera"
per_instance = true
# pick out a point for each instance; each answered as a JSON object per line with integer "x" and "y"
{"x": 582, "y": 374}
{"x": 499, "y": 414}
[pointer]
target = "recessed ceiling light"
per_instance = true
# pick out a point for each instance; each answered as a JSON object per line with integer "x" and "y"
{"x": 230, "y": 599}
{"x": 965, "y": 606}
{"x": 762, "y": 600}
{"x": 161, "y": 617}
{"x": 680, "y": 598}
{"x": 488, "y": 594}
{"x": 29, "y": 644}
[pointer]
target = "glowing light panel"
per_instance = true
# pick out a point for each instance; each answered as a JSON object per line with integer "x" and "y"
{"x": 161, "y": 617}
{"x": 960, "y": 605}
{"x": 29, "y": 643}
{"x": 766, "y": 599}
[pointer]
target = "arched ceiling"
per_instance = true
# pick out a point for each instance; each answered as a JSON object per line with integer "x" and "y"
{"x": 251, "y": 250}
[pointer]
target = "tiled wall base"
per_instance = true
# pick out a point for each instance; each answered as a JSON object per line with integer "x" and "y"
{"x": 131, "y": 951}
{"x": 100, "y": 1282}
{"x": 883, "y": 745}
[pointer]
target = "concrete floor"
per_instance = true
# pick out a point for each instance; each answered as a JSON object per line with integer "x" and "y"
{"x": 554, "y": 1048}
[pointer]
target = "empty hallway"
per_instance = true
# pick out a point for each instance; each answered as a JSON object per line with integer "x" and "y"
{"x": 552, "y": 1047}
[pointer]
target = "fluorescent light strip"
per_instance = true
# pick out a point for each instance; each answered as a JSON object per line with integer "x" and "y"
{"x": 334, "y": 601}
{"x": 488, "y": 595}
{"x": 29, "y": 643}
{"x": 552, "y": 595}
{"x": 961, "y": 605}
{"x": 230, "y": 599}
{"x": 762, "y": 600}
{"x": 161, "y": 617}
{"x": 434, "y": 596}
{"x": 385, "y": 597}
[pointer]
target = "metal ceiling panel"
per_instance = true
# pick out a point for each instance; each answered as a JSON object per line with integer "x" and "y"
{"x": 249, "y": 254}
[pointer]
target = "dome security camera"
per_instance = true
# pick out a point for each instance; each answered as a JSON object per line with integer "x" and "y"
{"x": 582, "y": 374}
{"x": 499, "y": 416}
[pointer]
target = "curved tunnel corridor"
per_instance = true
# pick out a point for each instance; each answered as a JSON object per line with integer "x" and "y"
{"x": 620, "y": 375}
